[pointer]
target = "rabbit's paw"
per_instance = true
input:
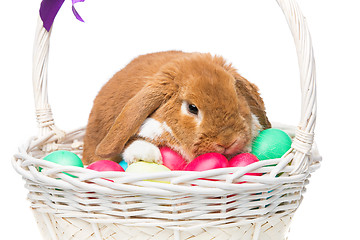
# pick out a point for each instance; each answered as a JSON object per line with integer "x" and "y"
{"x": 141, "y": 150}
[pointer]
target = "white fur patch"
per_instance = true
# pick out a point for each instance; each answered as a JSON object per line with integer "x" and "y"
{"x": 150, "y": 128}
{"x": 166, "y": 128}
{"x": 153, "y": 129}
{"x": 255, "y": 126}
{"x": 142, "y": 150}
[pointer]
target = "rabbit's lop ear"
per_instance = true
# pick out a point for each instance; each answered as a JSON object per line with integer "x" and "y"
{"x": 134, "y": 113}
{"x": 251, "y": 93}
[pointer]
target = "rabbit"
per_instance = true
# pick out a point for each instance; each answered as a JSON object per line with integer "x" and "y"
{"x": 194, "y": 103}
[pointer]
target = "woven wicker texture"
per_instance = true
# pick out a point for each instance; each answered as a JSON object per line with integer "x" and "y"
{"x": 184, "y": 205}
{"x": 75, "y": 228}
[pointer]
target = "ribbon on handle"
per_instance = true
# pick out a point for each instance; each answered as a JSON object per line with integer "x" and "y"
{"x": 50, "y": 8}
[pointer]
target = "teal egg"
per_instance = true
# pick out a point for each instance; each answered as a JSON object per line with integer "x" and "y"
{"x": 271, "y": 143}
{"x": 64, "y": 158}
{"x": 124, "y": 164}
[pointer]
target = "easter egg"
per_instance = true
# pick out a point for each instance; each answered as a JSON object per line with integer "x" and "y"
{"x": 64, "y": 158}
{"x": 147, "y": 167}
{"x": 271, "y": 143}
{"x": 242, "y": 160}
{"x": 105, "y": 165}
{"x": 172, "y": 159}
{"x": 124, "y": 164}
{"x": 207, "y": 161}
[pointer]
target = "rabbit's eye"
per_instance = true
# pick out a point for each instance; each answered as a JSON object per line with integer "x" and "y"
{"x": 193, "y": 109}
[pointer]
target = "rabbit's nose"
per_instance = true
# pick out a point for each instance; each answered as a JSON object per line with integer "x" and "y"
{"x": 231, "y": 148}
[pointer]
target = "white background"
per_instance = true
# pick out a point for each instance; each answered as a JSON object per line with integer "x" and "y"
{"x": 251, "y": 34}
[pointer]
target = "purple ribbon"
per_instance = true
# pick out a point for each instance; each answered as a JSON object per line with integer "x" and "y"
{"x": 49, "y": 9}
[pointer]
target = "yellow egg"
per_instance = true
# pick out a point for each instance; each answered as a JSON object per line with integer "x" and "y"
{"x": 147, "y": 167}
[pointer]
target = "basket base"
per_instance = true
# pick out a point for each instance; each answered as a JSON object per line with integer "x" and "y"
{"x": 53, "y": 227}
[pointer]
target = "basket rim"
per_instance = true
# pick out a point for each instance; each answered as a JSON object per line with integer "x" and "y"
{"x": 26, "y": 165}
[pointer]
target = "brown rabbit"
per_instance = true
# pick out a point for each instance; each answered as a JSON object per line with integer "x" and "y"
{"x": 193, "y": 103}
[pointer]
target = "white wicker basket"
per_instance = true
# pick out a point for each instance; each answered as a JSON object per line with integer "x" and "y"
{"x": 91, "y": 207}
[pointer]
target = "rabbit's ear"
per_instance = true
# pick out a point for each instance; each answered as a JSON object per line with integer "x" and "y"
{"x": 251, "y": 93}
{"x": 134, "y": 113}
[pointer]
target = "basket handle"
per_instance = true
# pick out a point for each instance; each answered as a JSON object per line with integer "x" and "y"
{"x": 43, "y": 111}
{"x": 304, "y": 136}
{"x": 303, "y": 140}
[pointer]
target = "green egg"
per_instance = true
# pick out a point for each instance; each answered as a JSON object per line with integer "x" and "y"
{"x": 271, "y": 143}
{"x": 64, "y": 158}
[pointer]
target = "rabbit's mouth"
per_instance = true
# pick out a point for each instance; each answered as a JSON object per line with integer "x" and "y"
{"x": 232, "y": 148}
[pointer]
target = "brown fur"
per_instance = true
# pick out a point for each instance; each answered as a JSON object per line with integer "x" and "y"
{"x": 156, "y": 85}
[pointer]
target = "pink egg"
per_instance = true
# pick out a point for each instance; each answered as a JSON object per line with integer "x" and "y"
{"x": 172, "y": 159}
{"x": 207, "y": 161}
{"x": 242, "y": 160}
{"x": 105, "y": 165}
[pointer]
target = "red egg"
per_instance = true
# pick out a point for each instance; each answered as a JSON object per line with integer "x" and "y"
{"x": 207, "y": 161}
{"x": 242, "y": 160}
{"x": 172, "y": 159}
{"x": 105, "y": 165}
